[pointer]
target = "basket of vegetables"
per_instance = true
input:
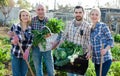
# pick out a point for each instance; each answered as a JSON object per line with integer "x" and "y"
{"x": 47, "y": 35}
{"x": 70, "y": 57}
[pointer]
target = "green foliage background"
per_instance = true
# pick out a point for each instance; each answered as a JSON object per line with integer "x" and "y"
{"x": 5, "y": 61}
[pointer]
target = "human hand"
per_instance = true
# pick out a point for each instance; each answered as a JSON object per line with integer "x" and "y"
{"x": 15, "y": 40}
{"x": 26, "y": 54}
{"x": 88, "y": 55}
{"x": 10, "y": 34}
{"x": 54, "y": 45}
{"x": 103, "y": 51}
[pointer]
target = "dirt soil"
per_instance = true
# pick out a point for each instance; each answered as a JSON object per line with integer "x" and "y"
{"x": 3, "y": 31}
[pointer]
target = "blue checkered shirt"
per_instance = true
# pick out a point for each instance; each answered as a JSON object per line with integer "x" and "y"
{"x": 26, "y": 42}
{"x": 100, "y": 35}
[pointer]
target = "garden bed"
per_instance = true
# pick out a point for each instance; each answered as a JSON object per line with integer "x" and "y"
{"x": 5, "y": 69}
{"x": 3, "y": 31}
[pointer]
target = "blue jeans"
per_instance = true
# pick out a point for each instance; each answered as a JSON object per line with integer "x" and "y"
{"x": 72, "y": 74}
{"x": 105, "y": 68}
{"x": 19, "y": 66}
{"x": 37, "y": 59}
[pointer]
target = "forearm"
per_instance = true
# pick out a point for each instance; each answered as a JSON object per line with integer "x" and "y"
{"x": 88, "y": 40}
{"x": 55, "y": 44}
{"x": 108, "y": 47}
{"x": 89, "y": 49}
{"x": 10, "y": 34}
{"x": 29, "y": 47}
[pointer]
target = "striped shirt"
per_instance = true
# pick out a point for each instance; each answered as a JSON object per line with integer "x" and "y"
{"x": 25, "y": 38}
{"x": 78, "y": 34}
{"x": 101, "y": 35}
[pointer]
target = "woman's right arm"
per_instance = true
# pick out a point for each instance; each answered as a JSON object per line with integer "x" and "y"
{"x": 13, "y": 37}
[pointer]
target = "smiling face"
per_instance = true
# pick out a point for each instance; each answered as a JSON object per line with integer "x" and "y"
{"x": 24, "y": 17}
{"x": 95, "y": 15}
{"x": 40, "y": 10}
{"x": 78, "y": 14}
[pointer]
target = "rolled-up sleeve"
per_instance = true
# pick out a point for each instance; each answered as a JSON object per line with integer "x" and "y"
{"x": 16, "y": 30}
{"x": 65, "y": 33}
{"x": 108, "y": 36}
{"x": 30, "y": 41}
{"x": 88, "y": 34}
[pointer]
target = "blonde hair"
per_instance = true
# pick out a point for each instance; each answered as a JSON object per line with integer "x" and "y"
{"x": 96, "y": 9}
{"x": 24, "y": 10}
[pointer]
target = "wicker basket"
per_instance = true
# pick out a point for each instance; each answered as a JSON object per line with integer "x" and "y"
{"x": 49, "y": 40}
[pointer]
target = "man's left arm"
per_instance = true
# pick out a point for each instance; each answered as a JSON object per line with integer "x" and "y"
{"x": 88, "y": 42}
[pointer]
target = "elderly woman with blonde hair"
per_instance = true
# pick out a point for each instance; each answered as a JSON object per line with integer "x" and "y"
{"x": 101, "y": 42}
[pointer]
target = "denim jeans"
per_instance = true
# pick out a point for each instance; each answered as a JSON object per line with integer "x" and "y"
{"x": 37, "y": 59}
{"x": 72, "y": 74}
{"x": 19, "y": 66}
{"x": 105, "y": 68}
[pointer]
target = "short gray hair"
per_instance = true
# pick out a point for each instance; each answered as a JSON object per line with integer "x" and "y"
{"x": 41, "y": 5}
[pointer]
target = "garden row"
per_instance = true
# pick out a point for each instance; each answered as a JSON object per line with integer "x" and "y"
{"x": 5, "y": 59}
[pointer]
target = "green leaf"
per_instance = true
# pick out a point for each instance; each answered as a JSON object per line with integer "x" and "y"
{"x": 55, "y": 25}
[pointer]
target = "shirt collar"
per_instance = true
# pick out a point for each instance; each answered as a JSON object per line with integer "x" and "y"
{"x": 74, "y": 22}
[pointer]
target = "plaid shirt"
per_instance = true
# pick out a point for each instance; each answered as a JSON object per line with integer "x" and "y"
{"x": 27, "y": 35}
{"x": 78, "y": 34}
{"x": 100, "y": 35}
{"x": 37, "y": 24}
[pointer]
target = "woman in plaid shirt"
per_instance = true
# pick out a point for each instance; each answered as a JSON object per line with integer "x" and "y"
{"x": 100, "y": 36}
{"x": 20, "y": 32}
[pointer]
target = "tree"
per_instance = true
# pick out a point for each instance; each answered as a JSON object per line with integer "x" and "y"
{"x": 66, "y": 8}
{"x": 108, "y": 4}
{"x": 24, "y": 4}
{"x": 6, "y": 6}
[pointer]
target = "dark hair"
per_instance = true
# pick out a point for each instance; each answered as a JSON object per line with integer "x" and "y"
{"x": 77, "y": 7}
